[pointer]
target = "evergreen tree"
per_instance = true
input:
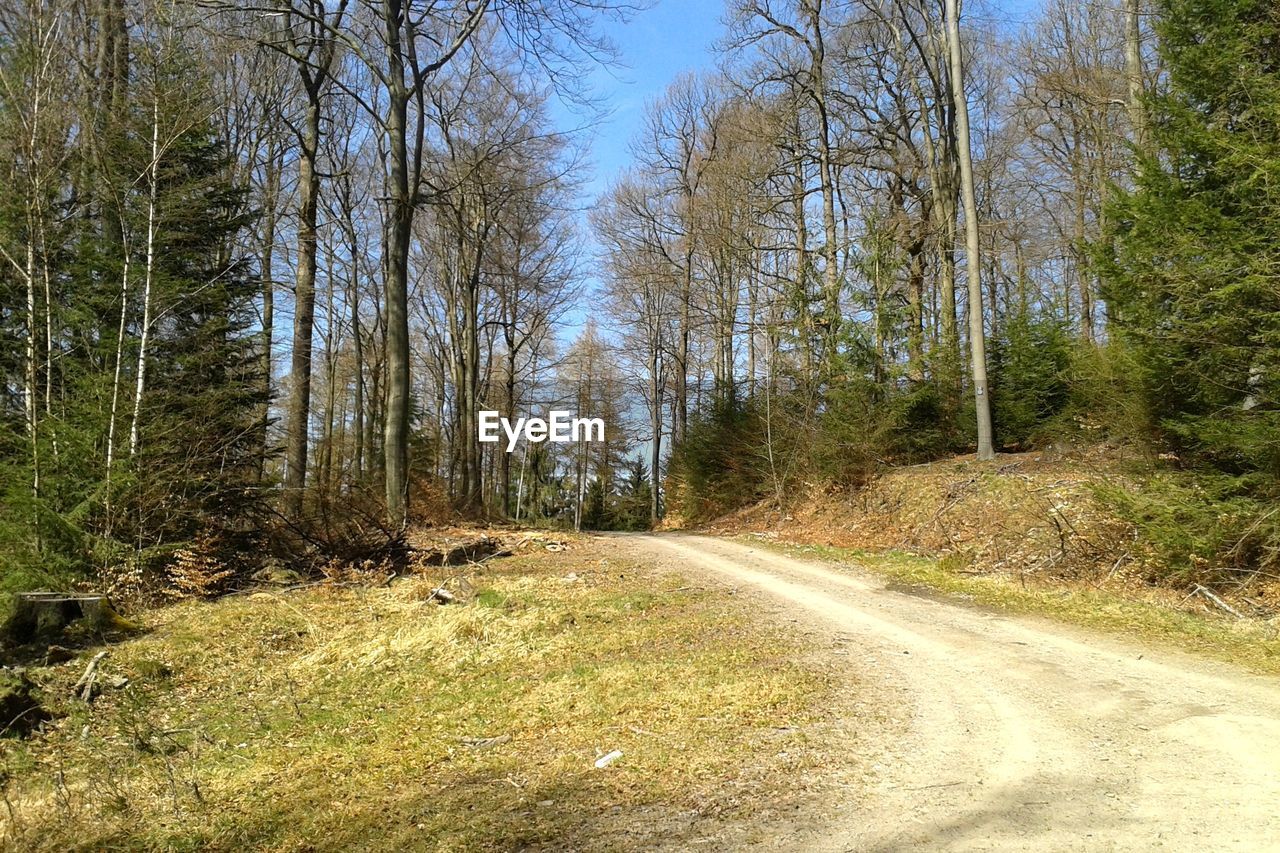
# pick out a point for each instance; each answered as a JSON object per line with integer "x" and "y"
{"x": 1030, "y": 363}
{"x": 1193, "y": 260}
{"x": 632, "y": 510}
{"x": 136, "y": 242}
{"x": 197, "y": 465}
{"x": 595, "y": 507}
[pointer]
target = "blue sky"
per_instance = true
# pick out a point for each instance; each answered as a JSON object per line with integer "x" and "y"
{"x": 654, "y": 47}
{"x": 658, "y": 44}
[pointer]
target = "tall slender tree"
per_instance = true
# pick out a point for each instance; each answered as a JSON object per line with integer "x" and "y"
{"x": 973, "y": 256}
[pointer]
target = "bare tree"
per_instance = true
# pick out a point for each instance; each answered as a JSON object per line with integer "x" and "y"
{"x": 304, "y": 32}
{"x": 675, "y": 147}
{"x": 799, "y": 57}
{"x": 644, "y": 292}
{"x": 973, "y": 269}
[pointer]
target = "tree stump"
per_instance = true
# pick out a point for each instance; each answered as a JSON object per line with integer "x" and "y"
{"x": 47, "y": 616}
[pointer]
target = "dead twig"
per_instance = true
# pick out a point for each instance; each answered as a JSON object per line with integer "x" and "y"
{"x": 1214, "y": 599}
{"x": 84, "y": 687}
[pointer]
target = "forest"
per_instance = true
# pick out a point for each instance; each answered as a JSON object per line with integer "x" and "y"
{"x": 263, "y": 263}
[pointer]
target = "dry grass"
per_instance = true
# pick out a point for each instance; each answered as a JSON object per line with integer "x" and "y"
{"x": 1025, "y": 533}
{"x": 348, "y": 718}
{"x": 1028, "y": 513}
{"x": 1150, "y": 615}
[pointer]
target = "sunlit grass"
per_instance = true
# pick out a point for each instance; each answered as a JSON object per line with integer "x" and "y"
{"x": 348, "y": 719}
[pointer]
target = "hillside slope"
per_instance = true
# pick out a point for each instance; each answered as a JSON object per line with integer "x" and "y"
{"x": 1037, "y": 517}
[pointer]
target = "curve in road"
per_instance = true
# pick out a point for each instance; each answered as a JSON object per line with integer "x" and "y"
{"x": 1024, "y": 735}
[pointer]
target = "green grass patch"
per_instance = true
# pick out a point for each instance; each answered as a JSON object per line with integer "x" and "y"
{"x": 490, "y": 598}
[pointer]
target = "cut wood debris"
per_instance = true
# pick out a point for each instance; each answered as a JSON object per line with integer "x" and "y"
{"x": 442, "y": 595}
{"x": 472, "y": 549}
{"x": 607, "y": 759}
{"x": 84, "y": 688}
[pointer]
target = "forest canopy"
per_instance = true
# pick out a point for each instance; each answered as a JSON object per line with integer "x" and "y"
{"x": 262, "y": 265}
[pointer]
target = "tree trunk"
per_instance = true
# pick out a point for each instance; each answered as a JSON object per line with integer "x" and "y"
{"x": 826, "y": 179}
{"x": 148, "y": 279}
{"x": 681, "y": 419}
{"x": 753, "y": 311}
{"x": 112, "y": 78}
{"x": 1082, "y": 267}
{"x": 1133, "y": 71}
{"x": 396, "y": 429}
{"x": 977, "y": 336}
{"x": 940, "y": 156}
{"x": 801, "y": 283}
{"x": 655, "y": 423}
{"x": 915, "y": 307}
{"x": 31, "y": 392}
{"x": 357, "y": 340}
{"x": 298, "y": 414}
{"x": 830, "y": 273}
{"x": 117, "y": 378}
{"x": 271, "y": 193}
{"x": 505, "y": 460}
{"x": 331, "y": 344}
{"x": 468, "y": 393}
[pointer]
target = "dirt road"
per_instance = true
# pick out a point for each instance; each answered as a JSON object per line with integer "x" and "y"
{"x": 1022, "y": 735}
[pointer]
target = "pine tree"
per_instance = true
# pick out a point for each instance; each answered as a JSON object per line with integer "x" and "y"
{"x": 1193, "y": 260}
{"x": 632, "y": 510}
{"x": 151, "y": 202}
{"x": 200, "y": 441}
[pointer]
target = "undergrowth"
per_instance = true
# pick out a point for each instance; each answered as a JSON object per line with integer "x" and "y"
{"x": 1198, "y": 527}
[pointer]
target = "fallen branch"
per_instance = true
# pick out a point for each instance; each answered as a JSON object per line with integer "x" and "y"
{"x": 485, "y": 743}
{"x": 442, "y": 595}
{"x": 1209, "y": 596}
{"x": 84, "y": 687}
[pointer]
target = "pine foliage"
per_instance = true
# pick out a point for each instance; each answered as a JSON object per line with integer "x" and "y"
{"x": 1192, "y": 281}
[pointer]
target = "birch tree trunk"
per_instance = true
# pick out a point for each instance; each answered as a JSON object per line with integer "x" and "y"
{"x": 148, "y": 281}
{"x": 31, "y": 392}
{"x": 116, "y": 377}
